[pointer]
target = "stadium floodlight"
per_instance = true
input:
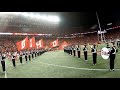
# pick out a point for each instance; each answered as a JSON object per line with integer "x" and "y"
{"x": 25, "y": 14}
{"x": 56, "y": 19}
{"x": 7, "y": 13}
{"x": 48, "y": 18}
{"x": 5, "y": 33}
{"x": 32, "y": 15}
{"x": 2, "y": 13}
{"x": 18, "y": 12}
{"x": 53, "y": 18}
{"x": 38, "y": 16}
{"x": 15, "y": 13}
{"x": 44, "y": 17}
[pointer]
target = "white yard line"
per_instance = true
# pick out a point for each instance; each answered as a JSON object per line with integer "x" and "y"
{"x": 74, "y": 67}
{"x": 6, "y": 76}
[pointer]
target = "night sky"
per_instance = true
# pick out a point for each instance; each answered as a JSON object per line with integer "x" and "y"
{"x": 78, "y": 19}
{"x": 88, "y": 19}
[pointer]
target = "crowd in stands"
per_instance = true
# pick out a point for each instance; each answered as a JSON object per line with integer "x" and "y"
{"x": 8, "y": 43}
{"x": 112, "y": 35}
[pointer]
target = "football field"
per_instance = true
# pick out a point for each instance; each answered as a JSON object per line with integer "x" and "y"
{"x": 58, "y": 64}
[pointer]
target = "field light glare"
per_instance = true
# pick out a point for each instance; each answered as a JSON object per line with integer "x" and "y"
{"x": 49, "y": 18}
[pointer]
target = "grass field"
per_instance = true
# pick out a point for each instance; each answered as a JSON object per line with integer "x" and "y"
{"x": 57, "y": 64}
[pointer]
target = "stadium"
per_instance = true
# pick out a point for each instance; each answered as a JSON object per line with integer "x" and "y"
{"x": 46, "y": 37}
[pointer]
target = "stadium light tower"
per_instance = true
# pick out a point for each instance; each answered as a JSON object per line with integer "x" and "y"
{"x": 99, "y": 27}
{"x": 49, "y": 18}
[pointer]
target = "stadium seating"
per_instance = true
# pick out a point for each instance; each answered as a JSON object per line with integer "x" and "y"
{"x": 7, "y": 43}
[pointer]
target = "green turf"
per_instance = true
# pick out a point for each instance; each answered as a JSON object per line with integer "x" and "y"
{"x": 37, "y": 68}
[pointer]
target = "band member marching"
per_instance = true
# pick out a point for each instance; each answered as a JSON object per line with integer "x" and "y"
{"x": 112, "y": 57}
{"x": 26, "y": 55}
{"x": 78, "y": 50}
{"x": 71, "y": 50}
{"x": 32, "y": 54}
{"x": 74, "y": 50}
{"x": 85, "y": 52}
{"x": 39, "y": 51}
{"x": 29, "y": 55}
{"x": 20, "y": 56}
{"x": 13, "y": 60}
{"x": 2, "y": 59}
{"x": 94, "y": 54}
{"x": 35, "y": 54}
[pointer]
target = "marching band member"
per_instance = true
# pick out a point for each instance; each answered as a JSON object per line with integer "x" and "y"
{"x": 2, "y": 59}
{"x": 26, "y": 55}
{"x": 94, "y": 54}
{"x": 13, "y": 59}
{"x": 20, "y": 56}
{"x": 112, "y": 57}
{"x": 74, "y": 50}
{"x": 35, "y": 53}
{"x": 29, "y": 55}
{"x": 32, "y": 53}
{"x": 85, "y": 52}
{"x": 70, "y": 50}
{"x": 78, "y": 50}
